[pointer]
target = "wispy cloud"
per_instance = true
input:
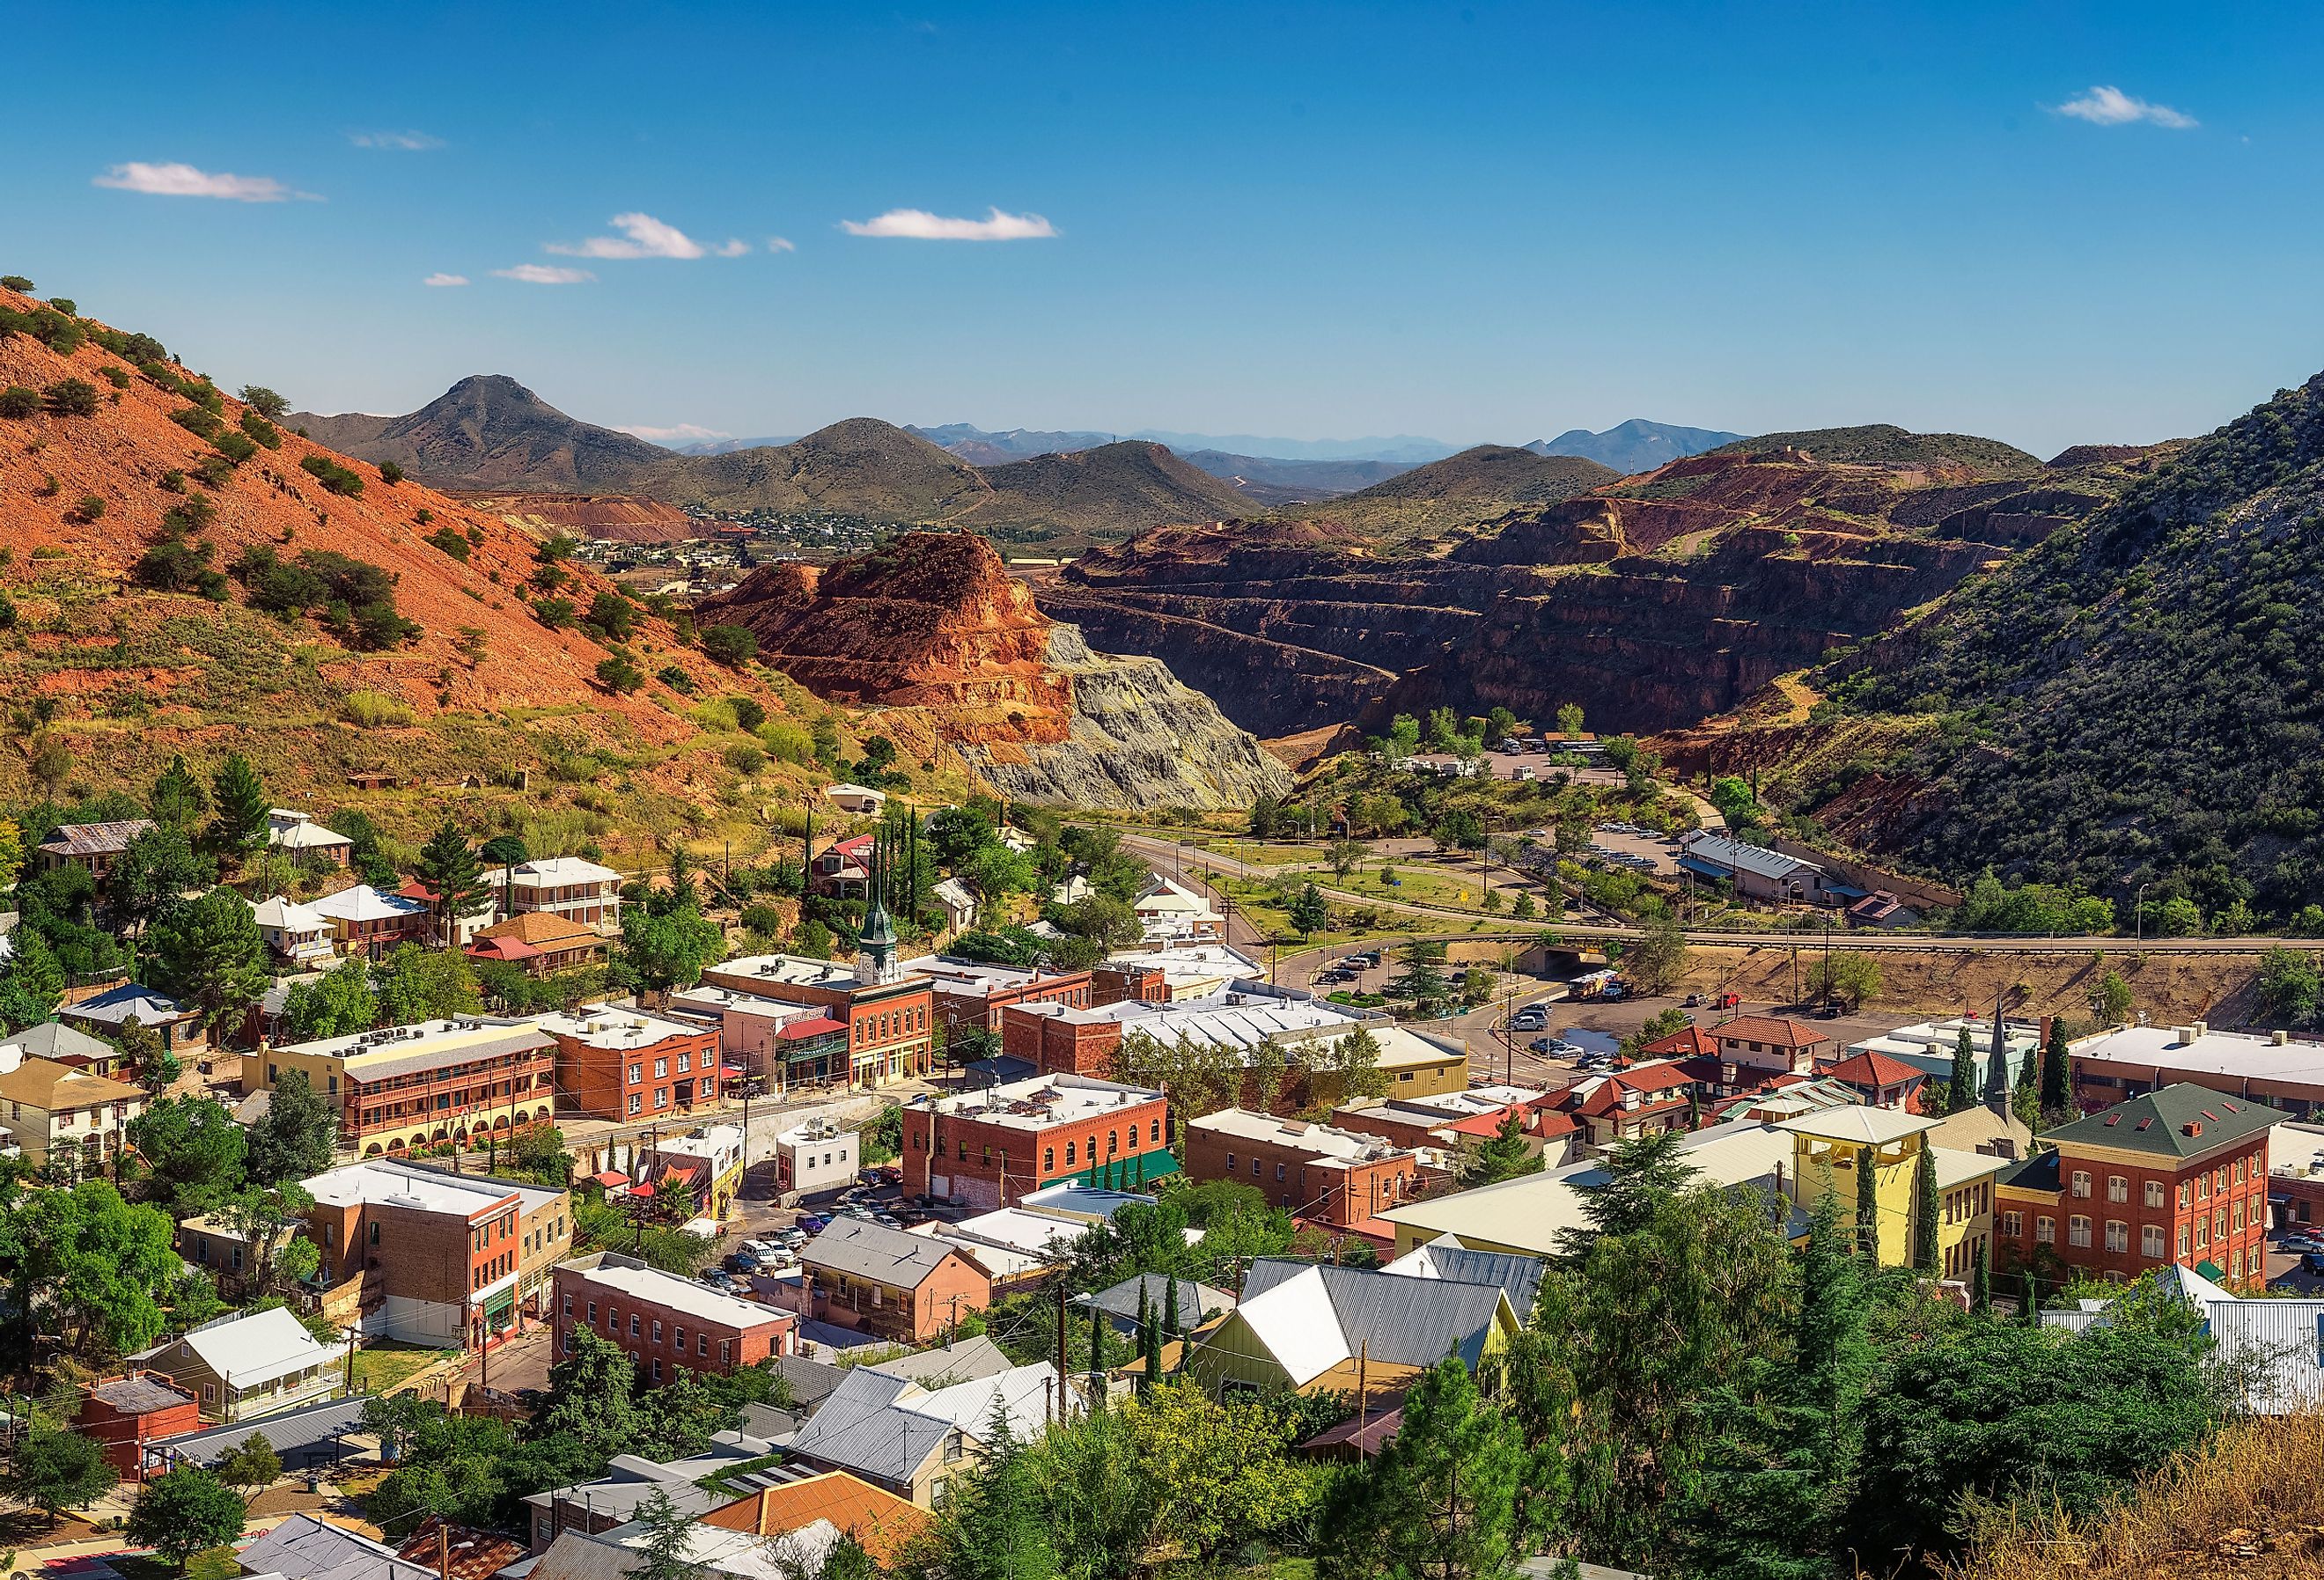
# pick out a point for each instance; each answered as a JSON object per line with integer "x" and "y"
{"x": 399, "y": 141}
{"x": 777, "y": 244}
{"x": 184, "y": 180}
{"x": 2110, "y": 106}
{"x": 544, "y": 275}
{"x": 684, "y": 433}
{"x": 441, "y": 278}
{"x": 644, "y": 236}
{"x": 919, "y": 225}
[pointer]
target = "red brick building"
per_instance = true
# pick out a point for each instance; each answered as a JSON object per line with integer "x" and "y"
{"x": 2176, "y": 1176}
{"x": 667, "y": 1324}
{"x": 1318, "y": 1173}
{"x": 625, "y": 1063}
{"x": 990, "y": 1146}
{"x": 909, "y": 1288}
{"x": 889, "y": 1024}
{"x": 126, "y": 1413}
{"x": 1059, "y": 1043}
{"x": 973, "y": 993}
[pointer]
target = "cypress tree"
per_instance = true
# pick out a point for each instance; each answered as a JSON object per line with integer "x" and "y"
{"x": 1868, "y": 1204}
{"x": 241, "y": 801}
{"x": 1962, "y": 1093}
{"x": 1153, "y": 1370}
{"x": 1981, "y": 1283}
{"x": 2029, "y": 1302}
{"x": 1925, "y": 1208}
{"x": 2057, "y": 1095}
{"x": 1097, "y": 1352}
{"x": 1170, "y": 1324}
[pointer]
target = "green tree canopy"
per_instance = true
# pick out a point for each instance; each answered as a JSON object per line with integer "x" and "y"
{"x": 208, "y": 956}
{"x": 294, "y": 1137}
{"x": 240, "y": 799}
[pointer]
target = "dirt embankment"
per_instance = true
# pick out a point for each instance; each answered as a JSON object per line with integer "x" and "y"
{"x": 619, "y": 518}
{"x": 2168, "y": 987}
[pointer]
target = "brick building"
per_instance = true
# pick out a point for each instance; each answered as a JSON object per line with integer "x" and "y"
{"x": 880, "y": 1020}
{"x": 667, "y": 1324}
{"x": 990, "y": 1146}
{"x": 126, "y": 1413}
{"x": 909, "y": 1288}
{"x": 424, "y": 1256}
{"x": 405, "y": 1087}
{"x": 2179, "y": 1176}
{"x": 1318, "y": 1173}
{"x": 627, "y": 1064}
{"x": 971, "y": 993}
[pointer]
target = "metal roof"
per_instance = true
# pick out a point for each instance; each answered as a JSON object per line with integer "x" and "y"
{"x": 303, "y": 1435}
{"x": 304, "y": 1547}
{"x": 874, "y": 1250}
{"x": 94, "y": 838}
{"x": 2181, "y": 1121}
{"x": 1722, "y": 856}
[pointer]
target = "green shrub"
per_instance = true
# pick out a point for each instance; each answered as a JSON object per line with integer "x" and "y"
{"x": 141, "y": 349}
{"x": 264, "y": 401}
{"x": 73, "y": 398}
{"x": 390, "y": 472}
{"x": 191, "y": 514}
{"x": 612, "y": 617}
{"x": 423, "y": 515}
{"x": 677, "y": 680}
{"x": 371, "y": 710}
{"x": 173, "y": 481}
{"x": 353, "y": 598}
{"x": 450, "y": 543}
{"x": 262, "y": 431}
{"x": 744, "y": 758}
{"x": 732, "y": 645}
{"x": 16, "y": 282}
{"x": 65, "y": 305}
{"x": 556, "y": 614}
{"x": 236, "y": 446}
{"x": 18, "y": 403}
{"x": 749, "y": 715}
{"x": 176, "y": 565}
{"x": 196, "y": 420}
{"x": 617, "y": 674}
{"x": 88, "y": 507}
{"x": 118, "y": 377}
{"x": 216, "y": 471}
{"x": 8, "y": 612}
{"x": 333, "y": 476}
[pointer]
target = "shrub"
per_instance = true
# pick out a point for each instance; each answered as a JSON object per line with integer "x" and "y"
{"x": 191, "y": 514}
{"x": 118, "y": 377}
{"x": 64, "y": 304}
{"x": 423, "y": 515}
{"x": 142, "y": 348}
{"x": 214, "y": 471}
{"x": 354, "y": 599}
{"x": 611, "y": 617}
{"x": 748, "y": 712}
{"x": 732, "y": 645}
{"x": 174, "y": 482}
{"x": 372, "y": 709}
{"x": 677, "y": 680}
{"x": 196, "y": 420}
{"x": 617, "y": 674}
{"x": 390, "y": 472}
{"x": 450, "y": 543}
{"x": 261, "y": 430}
{"x": 264, "y": 401}
{"x": 333, "y": 476}
{"x": 7, "y": 612}
{"x": 88, "y": 507}
{"x": 73, "y": 398}
{"x": 18, "y": 403}
{"x": 744, "y": 757}
{"x": 556, "y": 614}
{"x": 236, "y": 446}
{"x": 176, "y": 565}
{"x": 16, "y": 282}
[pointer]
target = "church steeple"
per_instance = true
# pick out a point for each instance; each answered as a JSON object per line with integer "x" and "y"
{"x": 1999, "y": 1094}
{"x": 876, "y": 955}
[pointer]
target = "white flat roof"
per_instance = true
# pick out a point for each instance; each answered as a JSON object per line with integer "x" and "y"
{"x": 791, "y": 970}
{"x": 1329, "y": 1145}
{"x": 678, "y": 1294}
{"x": 1038, "y": 1103}
{"x": 2213, "y": 1053}
{"x": 425, "y": 1189}
{"x": 619, "y": 1030}
{"x": 558, "y": 870}
{"x": 364, "y": 903}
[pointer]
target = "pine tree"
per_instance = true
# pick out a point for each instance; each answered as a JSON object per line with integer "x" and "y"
{"x": 1422, "y": 979}
{"x": 179, "y": 800}
{"x": 449, "y": 866}
{"x": 2057, "y": 1094}
{"x": 241, "y": 802}
{"x": 1962, "y": 1092}
{"x": 209, "y": 958}
{"x": 1925, "y": 1208}
{"x": 1442, "y": 1499}
{"x": 1309, "y": 911}
{"x": 1867, "y": 1204}
{"x": 1981, "y": 1280}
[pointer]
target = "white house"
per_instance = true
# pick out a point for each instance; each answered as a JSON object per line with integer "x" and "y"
{"x": 1171, "y": 911}
{"x": 816, "y": 1156}
{"x": 567, "y": 886}
{"x": 299, "y": 934}
{"x": 297, "y": 834}
{"x": 959, "y": 905}
{"x": 859, "y": 799}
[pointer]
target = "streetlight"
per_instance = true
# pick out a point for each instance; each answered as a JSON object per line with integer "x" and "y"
{"x": 2138, "y": 916}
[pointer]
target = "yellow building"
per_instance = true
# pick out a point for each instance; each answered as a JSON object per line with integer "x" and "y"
{"x": 1314, "y": 1330}
{"x": 1830, "y": 1146}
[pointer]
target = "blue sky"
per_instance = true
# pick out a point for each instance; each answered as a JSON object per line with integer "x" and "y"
{"x": 1471, "y": 221}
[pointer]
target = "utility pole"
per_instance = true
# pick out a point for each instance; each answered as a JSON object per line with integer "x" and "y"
{"x": 1061, "y": 1327}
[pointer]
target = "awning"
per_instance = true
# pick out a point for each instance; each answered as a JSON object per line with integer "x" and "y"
{"x": 813, "y": 1026}
{"x": 733, "y": 1072}
{"x": 1142, "y": 1169}
{"x": 612, "y": 1179}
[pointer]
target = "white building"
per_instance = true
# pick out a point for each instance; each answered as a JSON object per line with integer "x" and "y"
{"x": 1928, "y": 1046}
{"x": 860, "y": 798}
{"x": 567, "y": 886}
{"x": 816, "y": 1157}
{"x": 1170, "y": 911}
{"x": 1192, "y": 971}
{"x": 299, "y": 934}
{"x": 297, "y": 834}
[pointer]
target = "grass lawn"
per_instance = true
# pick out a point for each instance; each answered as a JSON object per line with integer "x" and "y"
{"x": 1416, "y": 884}
{"x": 1263, "y": 855}
{"x": 380, "y": 1367}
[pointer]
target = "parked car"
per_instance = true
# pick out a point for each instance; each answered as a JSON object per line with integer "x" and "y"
{"x": 888, "y": 1220}
{"x": 815, "y": 1223}
{"x": 1536, "y": 1019}
{"x": 2313, "y": 1262}
{"x": 2300, "y": 1244}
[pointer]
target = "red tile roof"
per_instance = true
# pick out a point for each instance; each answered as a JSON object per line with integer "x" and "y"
{"x": 1693, "y": 1039}
{"x": 1873, "y": 1068}
{"x": 1778, "y": 1030}
{"x": 884, "y": 1523}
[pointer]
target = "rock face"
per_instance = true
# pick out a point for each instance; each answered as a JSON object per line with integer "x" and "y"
{"x": 619, "y": 518}
{"x": 934, "y": 622}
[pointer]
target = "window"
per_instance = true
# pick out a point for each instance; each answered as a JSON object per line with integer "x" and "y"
{"x": 2183, "y": 1239}
{"x": 2117, "y": 1236}
{"x": 2081, "y": 1182}
{"x": 661, "y": 1070}
{"x": 657, "y": 1330}
{"x": 1154, "y": 1130}
{"x": 2117, "y": 1188}
{"x": 2150, "y": 1240}
{"x": 1278, "y": 1172}
{"x": 685, "y": 1063}
{"x": 1254, "y": 1167}
{"x": 2203, "y": 1187}
{"x": 2220, "y": 1224}
{"x": 568, "y": 1341}
{"x": 661, "y": 1096}
{"x": 1049, "y": 1159}
{"x": 635, "y": 1324}
{"x": 726, "y": 1350}
{"x": 2078, "y": 1230}
{"x": 2154, "y": 1193}
{"x": 2013, "y": 1224}
{"x": 593, "y": 1310}
{"x": 637, "y": 1074}
{"x": 1231, "y": 1162}
{"x": 2235, "y": 1216}
{"x": 1069, "y": 1156}
{"x": 953, "y": 1448}
{"x": 2182, "y": 1196}
{"x": 678, "y": 1339}
{"x": 657, "y": 1368}
{"x": 702, "y": 1343}
{"x": 2202, "y": 1234}
{"x": 637, "y": 1100}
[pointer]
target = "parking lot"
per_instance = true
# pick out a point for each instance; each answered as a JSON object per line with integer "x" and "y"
{"x": 1642, "y": 850}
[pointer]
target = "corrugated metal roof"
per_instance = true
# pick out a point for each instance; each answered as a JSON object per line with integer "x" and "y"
{"x": 303, "y": 1548}
{"x": 874, "y": 1250}
{"x": 860, "y": 1427}
{"x": 94, "y": 838}
{"x": 297, "y": 1434}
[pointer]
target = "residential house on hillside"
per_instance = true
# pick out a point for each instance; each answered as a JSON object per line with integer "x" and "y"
{"x": 567, "y": 886}
{"x": 541, "y": 941}
{"x": 1519, "y": 1277}
{"x": 2178, "y": 1175}
{"x": 862, "y": 799}
{"x": 367, "y": 922}
{"x": 1198, "y": 1303}
{"x": 905, "y": 1287}
{"x": 1171, "y": 912}
{"x": 94, "y": 847}
{"x": 65, "y": 1119}
{"x": 958, "y": 905}
{"x": 298, "y": 936}
{"x": 883, "y": 1525}
{"x": 67, "y": 1045}
{"x": 297, "y": 834}
{"x": 912, "y": 1440}
{"x": 177, "y": 1026}
{"x": 843, "y": 871}
{"x": 1315, "y": 1329}
{"x": 249, "y": 1363}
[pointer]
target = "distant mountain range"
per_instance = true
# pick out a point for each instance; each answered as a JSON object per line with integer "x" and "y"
{"x": 1635, "y": 446}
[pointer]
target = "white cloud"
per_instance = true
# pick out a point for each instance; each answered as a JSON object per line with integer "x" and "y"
{"x": 776, "y": 244}
{"x": 544, "y": 275}
{"x": 919, "y": 225}
{"x": 2110, "y": 106}
{"x": 184, "y": 180}
{"x": 644, "y": 236}
{"x": 684, "y": 433}
{"x": 402, "y": 142}
{"x": 439, "y": 278}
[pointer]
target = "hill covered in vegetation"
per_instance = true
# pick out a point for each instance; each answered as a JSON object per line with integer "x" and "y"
{"x": 1884, "y": 444}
